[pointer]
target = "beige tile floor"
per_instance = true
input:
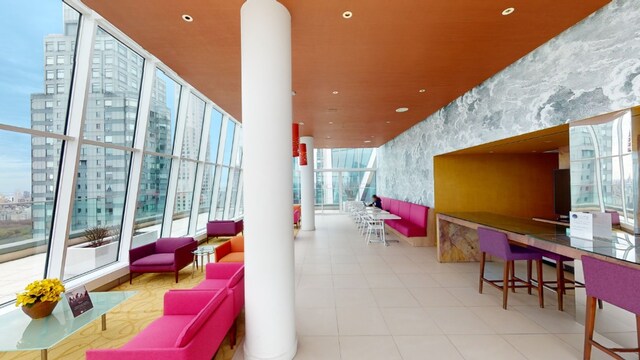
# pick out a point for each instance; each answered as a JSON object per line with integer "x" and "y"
{"x": 368, "y": 302}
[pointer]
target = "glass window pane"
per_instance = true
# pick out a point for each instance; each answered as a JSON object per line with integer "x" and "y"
{"x": 193, "y": 128}
{"x": 584, "y": 191}
{"x": 238, "y": 145}
{"x": 111, "y": 113}
{"x": 163, "y": 114}
{"x": 152, "y": 197}
{"x": 228, "y": 145}
{"x": 234, "y": 193}
{"x": 26, "y": 208}
{"x": 27, "y": 68}
{"x": 205, "y": 196}
{"x": 222, "y": 193}
{"x": 101, "y": 190}
{"x": 184, "y": 198}
{"x": 214, "y": 136}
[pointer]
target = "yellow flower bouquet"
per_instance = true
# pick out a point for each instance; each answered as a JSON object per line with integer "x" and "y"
{"x": 40, "y": 297}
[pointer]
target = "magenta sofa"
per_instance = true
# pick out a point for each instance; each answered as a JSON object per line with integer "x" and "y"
{"x": 164, "y": 255}
{"x": 414, "y": 217}
{"x": 296, "y": 217}
{"x": 193, "y": 326}
{"x": 230, "y": 276}
{"x": 216, "y": 228}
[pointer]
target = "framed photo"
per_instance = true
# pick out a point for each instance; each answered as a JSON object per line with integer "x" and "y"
{"x": 79, "y": 300}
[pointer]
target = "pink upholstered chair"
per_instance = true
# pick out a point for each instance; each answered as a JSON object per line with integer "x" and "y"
{"x": 164, "y": 255}
{"x": 296, "y": 218}
{"x": 226, "y": 275}
{"x": 496, "y": 244}
{"x": 615, "y": 284}
{"x": 217, "y": 228}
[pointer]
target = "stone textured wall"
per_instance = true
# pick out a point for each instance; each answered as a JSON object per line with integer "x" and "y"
{"x": 590, "y": 69}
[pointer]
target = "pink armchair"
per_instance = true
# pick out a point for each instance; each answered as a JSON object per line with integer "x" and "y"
{"x": 217, "y": 228}
{"x": 230, "y": 276}
{"x": 164, "y": 255}
{"x": 296, "y": 218}
{"x": 193, "y": 326}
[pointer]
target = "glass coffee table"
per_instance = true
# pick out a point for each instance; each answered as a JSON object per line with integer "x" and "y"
{"x": 198, "y": 257}
{"x": 20, "y": 333}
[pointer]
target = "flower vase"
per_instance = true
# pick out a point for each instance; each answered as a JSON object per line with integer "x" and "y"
{"x": 40, "y": 309}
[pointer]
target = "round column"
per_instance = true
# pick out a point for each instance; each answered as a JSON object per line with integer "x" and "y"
{"x": 268, "y": 184}
{"x": 307, "y": 188}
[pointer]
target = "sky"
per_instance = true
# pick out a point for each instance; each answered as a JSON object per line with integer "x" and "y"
{"x": 23, "y": 26}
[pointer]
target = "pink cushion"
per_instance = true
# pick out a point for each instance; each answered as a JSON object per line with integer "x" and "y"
{"x": 406, "y": 228}
{"x": 211, "y": 284}
{"x": 155, "y": 259}
{"x": 418, "y": 215}
{"x": 169, "y": 245}
{"x": 404, "y": 210}
{"x": 385, "y": 203}
{"x": 192, "y": 328}
{"x": 162, "y": 333}
{"x": 393, "y": 207}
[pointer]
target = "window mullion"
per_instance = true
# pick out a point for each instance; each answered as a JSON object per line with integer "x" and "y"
{"x": 137, "y": 159}
{"x": 71, "y": 151}
{"x": 185, "y": 93}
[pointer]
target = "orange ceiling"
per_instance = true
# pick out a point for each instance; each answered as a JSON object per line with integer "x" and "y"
{"x": 377, "y": 60}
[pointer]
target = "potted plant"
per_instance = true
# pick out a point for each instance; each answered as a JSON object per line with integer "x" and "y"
{"x": 97, "y": 236}
{"x": 40, "y": 297}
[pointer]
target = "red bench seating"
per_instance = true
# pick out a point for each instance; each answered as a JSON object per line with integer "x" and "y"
{"x": 412, "y": 227}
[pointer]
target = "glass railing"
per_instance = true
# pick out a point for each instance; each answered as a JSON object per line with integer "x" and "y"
{"x": 24, "y": 242}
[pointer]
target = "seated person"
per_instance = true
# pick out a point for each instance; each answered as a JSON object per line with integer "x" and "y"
{"x": 377, "y": 202}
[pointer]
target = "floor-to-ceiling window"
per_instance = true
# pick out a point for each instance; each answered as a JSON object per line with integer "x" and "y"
{"x": 100, "y": 138}
{"x": 340, "y": 175}
{"x": 36, "y": 72}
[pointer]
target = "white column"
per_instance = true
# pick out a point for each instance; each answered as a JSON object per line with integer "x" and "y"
{"x": 307, "y": 188}
{"x": 268, "y": 184}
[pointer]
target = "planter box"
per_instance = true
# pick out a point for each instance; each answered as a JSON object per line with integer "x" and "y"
{"x": 144, "y": 239}
{"x": 82, "y": 259}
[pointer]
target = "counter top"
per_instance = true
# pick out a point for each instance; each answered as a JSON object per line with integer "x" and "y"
{"x": 620, "y": 246}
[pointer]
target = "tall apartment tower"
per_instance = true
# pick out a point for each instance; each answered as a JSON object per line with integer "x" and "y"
{"x": 110, "y": 118}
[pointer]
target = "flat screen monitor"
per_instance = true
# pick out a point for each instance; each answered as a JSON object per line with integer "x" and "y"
{"x": 562, "y": 192}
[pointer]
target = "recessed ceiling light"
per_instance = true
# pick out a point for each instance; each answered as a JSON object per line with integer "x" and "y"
{"x": 330, "y": 122}
{"x": 402, "y": 109}
{"x": 300, "y": 123}
{"x": 388, "y": 122}
{"x": 187, "y": 18}
{"x": 367, "y": 141}
{"x": 422, "y": 90}
{"x": 372, "y": 136}
{"x": 533, "y": 151}
{"x": 293, "y": 92}
{"x": 508, "y": 11}
{"x": 328, "y": 137}
{"x": 335, "y": 92}
{"x": 347, "y": 14}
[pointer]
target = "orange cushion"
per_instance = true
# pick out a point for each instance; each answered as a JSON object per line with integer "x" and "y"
{"x": 237, "y": 244}
{"x": 233, "y": 257}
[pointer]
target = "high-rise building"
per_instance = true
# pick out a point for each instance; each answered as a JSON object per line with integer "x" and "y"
{"x": 111, "y": 110}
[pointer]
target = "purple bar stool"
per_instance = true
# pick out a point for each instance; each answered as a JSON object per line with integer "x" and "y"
{"x": 615, "y": 284}
{"x": 496, "y": 244}
{"x": 561, "y": 284}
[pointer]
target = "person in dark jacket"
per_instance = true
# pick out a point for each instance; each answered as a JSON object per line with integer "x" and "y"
{"x": 377, "y": 202}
